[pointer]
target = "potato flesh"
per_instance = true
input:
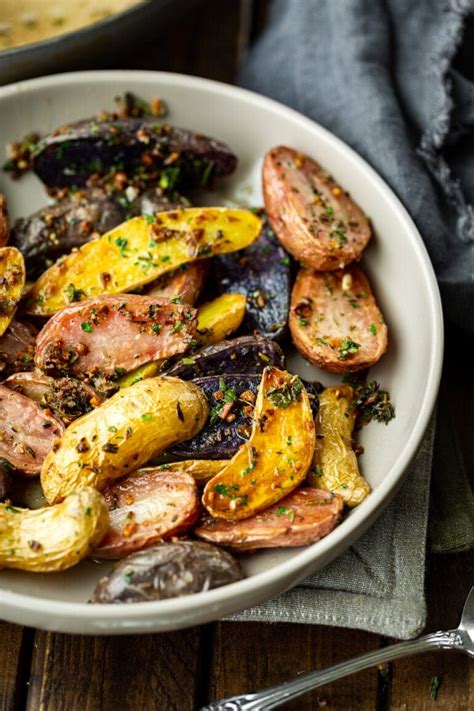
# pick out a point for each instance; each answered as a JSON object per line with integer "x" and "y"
{"x": 150, "y": 370}
{"x": 52, "y": 538}
{"x": 335, "y": 467}
{"x": 276, "y": 457}
{"x": 121, "y": 435}
{"x": 139, "y": 251}
{"x": 12, "y": 281}
{"x": 219, "y": 318}
{"x": 201, "y": 469}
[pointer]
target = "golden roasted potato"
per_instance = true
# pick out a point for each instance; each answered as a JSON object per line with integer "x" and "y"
{"x": 139, "y": 251}
{"x": 185, "y": 283}
{"x": 277, "y": 456}
{"x": 121, "y": 435}
{"x": 313, "y": 217}
{"x": 219, "y": 318}
{"x": 150, "y": 370}
{"x": 334, "y": 320}
{"x": 54, "y": 537}
{"x": 12, "y": 281}
{"x": 335, "y": 467}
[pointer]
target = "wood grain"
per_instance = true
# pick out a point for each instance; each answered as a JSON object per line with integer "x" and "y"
{"x": 251, "y": 656}
{"x": 15, "y": 655}
{"x": 146, "y": 672}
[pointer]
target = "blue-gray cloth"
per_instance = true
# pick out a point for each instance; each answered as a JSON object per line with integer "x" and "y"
{"x": 381, "y": 75}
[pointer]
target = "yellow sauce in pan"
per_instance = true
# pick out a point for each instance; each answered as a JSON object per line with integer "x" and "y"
{"x": 27, "y": 21}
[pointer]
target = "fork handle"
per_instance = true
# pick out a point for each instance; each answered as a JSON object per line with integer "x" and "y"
{"x": 276, "y": 695}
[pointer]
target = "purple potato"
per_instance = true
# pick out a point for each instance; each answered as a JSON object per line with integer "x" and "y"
{"x": 167, "y": 570}
{"x": 140, "y": 148}
{"x": 247, "y": 354}
{"x": 262, "y": 272}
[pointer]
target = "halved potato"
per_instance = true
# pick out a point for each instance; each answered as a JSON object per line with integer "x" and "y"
{"x": 303, "y": 517}
{"x": 54, "y": 537}
{"x": 12, "y": 281}
{"x": 277, "y": 456}
{"x": 139, "y": 251}
{"x": 150, "y": 370}
{"x": 219, "y": 318}
{"x": 335, "y": 467}
{"x": 114, "y": 334}
{"x": 147, "y": 507}
{"x": 185, "y": 283}
{"x": 121, "y": 435}
{"x": 334, "y": 320}
{"x": 313, "y": 217}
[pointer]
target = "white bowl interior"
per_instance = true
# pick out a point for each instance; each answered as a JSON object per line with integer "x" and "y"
{"x": 395, "y": 261}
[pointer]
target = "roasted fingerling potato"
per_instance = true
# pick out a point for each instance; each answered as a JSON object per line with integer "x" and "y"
{"x": 139, "y": 251}
{"x": 126, "y": 431}
{"x": 334, "y": 320}
{"x": 219, "y": 318}
{"x": 277, "y": 456}
{"x": 335, "y": 466}
{"x": 313, "y": 217}
{"x": 52, "y": 538}
{"x": 12, "y": 281}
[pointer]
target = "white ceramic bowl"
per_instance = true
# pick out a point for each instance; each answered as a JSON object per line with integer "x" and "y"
{"x": 400, "y": 272}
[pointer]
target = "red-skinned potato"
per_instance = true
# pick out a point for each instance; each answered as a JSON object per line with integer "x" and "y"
{"x": 147, "y": 507}
{"x": 114, "y": 334}
{"x": 185, "y": 283}
{"x": 313, "y": 217}
{"x": 334, "y": 320}
{"x": 27, "y": 432}
{"x": 302, "y": 517}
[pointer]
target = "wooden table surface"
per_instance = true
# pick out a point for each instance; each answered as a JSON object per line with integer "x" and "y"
{"x": 183, "y": 670}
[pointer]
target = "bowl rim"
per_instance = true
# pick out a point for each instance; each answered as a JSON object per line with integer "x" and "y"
{"x": 372, "y": 507}
{"x": 97, "y": 25}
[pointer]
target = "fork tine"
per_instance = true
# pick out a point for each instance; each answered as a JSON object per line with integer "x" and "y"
{"x": 467, "y": 617}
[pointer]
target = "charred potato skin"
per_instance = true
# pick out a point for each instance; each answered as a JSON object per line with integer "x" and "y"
{"x": 335, "y": 467}
{"x": 314, "y": 219}
{"x": 126, "y": 431}
{"x": 246, "y": 354}
{"x": 276, "y": 457}
{"x": 167, "y": 570}
{"x": 135, "y": 146}
{"x": 325, "y": 317}
{"x": 262, "y": 273}
{"x": 17, "y": 348}
{"x": 53, "y": 538}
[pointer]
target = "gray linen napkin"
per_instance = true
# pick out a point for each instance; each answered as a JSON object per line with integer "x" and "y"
{"x": 379, "y": 74}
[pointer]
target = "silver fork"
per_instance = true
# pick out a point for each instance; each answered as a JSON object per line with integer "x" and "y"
{"x": 461, "y": 639}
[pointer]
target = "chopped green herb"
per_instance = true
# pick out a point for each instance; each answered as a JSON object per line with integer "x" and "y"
{"x": 88, "y": 511}
{"x": 289, "y": 441}
{"x": 177, "y": 327}
{"x": 122, "y": 244}
{"x": 373, "y": 329}
{"x": 286, "y": 261}
{"x": 147, "y": 416}
{"x": 249, "y": 469}
{"x": 150, "y": 219}
{"x": 347, "y": 348}
{"x": 87, "y": 327}
{"x": 165, "y": 258}
{"x": 281, "y": 511}
{"x": 221, "y": 489}
{"x": 128, "y": 576}
{"x": 370, "y": 402}
{"x": 11, "y": 509}
{"x": 302, "y": 321}
{"x": 329, "y": 210}
{"x": 74, "y": 294}
{"x": 286, "y": 394}
{"x": 188, "y": 361}
{"x": 156, "y": 328}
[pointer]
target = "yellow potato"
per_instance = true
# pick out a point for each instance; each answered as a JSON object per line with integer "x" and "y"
{"x": 201, "y": 469}
{"x": 55, "y": 537}
{"x": 335, "y": 466}
{"x": 139, "y": 251}
{"x": 150, "y": 370}
{"x": 12, "y": 281}
{"x": 121, "y": 435}
{"x": 219, "y": 318}
{"x": 277, "y": 456}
